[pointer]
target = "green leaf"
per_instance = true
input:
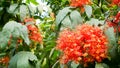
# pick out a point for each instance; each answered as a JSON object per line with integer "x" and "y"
{"x": 76, "y": 18}
{"x": 23, "y": 60}
{"x": 111, "y": 35}
{"x": 24, "y": 34}
{"x": 13, "y": 42}
{"x": 62, "y": 14}
{"x": 23, "y": 12}
{"x": 27, "y": 1}
{"x": 32, "y": 10}
{"x": 9, "y": 26}
{"x": 6, "y": 33}
{"x": 95, "y": 22}
{"x": 101, "y": 65}
{"x": 88, "y": 10}
{"x": 4, "y": 38}
{"x": 1, "y": 8}
{"x": 113, "y": 53}
{"x": 40, "y": 8}
{"x": 66, "y": 22}
{"x": 15, "y": 30}
{"x": 12, "y": 8}
{"x": 74, "y": 65}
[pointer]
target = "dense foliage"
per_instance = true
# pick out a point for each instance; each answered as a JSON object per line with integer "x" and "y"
{"x": 60, "y": 34}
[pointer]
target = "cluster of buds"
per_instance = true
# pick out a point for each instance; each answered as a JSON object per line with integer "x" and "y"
{"x": 34, "y": 33}
{"x": 84, "y": 44}
{"x": 79, "y": 3}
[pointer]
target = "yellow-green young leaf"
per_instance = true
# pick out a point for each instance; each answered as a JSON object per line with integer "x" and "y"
{"x": 88, "y": 10}
{"x": 34, "y": 2}
{"x": 62, "y": 14}
{"x": 23, "y": 60}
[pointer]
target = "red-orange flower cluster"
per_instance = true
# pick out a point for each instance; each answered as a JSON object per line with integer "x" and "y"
{"x": 117, "y": 2}
{"x": 69, "y": 45}
{"x": 34, "y": 33}
{"x": 85, "y": 44}
{"x": 4, "y": 60}
{"x": 79, "y": 3}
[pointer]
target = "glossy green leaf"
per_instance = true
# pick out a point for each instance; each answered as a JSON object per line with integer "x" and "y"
{"x": 101, "y": 65}
{"x": 23, "y": 12}
{"x": 111, "y": 35}
{"x": 9, "y": 26}
{"x": 75, "y": 18}
{"x": 31, "y": 10}
{"x": 67, "y": 22}
{"x": 88, "y": 10}
{"x": 12, "y": 8}
{"x": 95, "y": 22}
{"x": 4, "y": 38}
{"x": 40, "y": 8}
{"x": 13, "y": 42}
{"x": 23, "y": 60}
{"x": 24, "y": 34}
{"x": 74, "y": 65}
{"x": 6, "y": 33}
{"x": 15, "y": 30}
{"x": 62, "y": 14}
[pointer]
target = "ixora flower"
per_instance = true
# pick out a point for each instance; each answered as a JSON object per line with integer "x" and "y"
{"x": 34, "y": 33}
{"x": 84, "y": 44}
{"x": 117, "y": 2}
{"x": 79, "y": 3}
{"x": 69, "y": 45}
